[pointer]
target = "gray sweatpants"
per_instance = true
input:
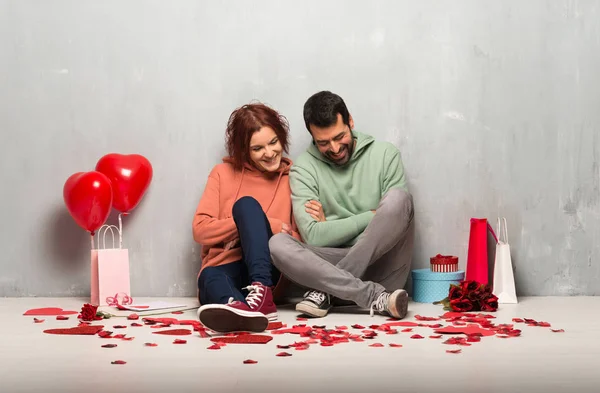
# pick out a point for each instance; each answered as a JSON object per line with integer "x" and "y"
{"x": 380, "y": 260}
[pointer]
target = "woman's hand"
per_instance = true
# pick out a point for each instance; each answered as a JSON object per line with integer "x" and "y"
{"x": 231, "y": 244}
{"x": 315, "y": 209}
{"x": 286, "y": 228}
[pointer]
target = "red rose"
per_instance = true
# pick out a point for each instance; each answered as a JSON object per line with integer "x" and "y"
{"x": 88, "y": 312}
{"x": 476, "y": 295}
{"x": 485, "y": 289}
{"x": 490, "y": 304}
{"x": 468, "y": 286}
{"x": 455, "y": 292}
{"x": 461, "y": 305}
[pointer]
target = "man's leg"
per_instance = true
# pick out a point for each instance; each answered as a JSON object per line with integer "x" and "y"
{"x": 392, "y": 269}
{"x": 315, "y": 268}
{"x": 384, "y": 251}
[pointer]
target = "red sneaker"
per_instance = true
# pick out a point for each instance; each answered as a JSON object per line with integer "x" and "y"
{"x": 260, "y": 299}
{"x": 234, "y": 316}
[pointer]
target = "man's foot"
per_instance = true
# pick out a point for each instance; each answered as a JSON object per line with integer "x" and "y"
{"x": 394, "y": 304}
{"x": 315, "y": 304}
{"x": 234, "y": 316}
{"x": 260, "y": 299}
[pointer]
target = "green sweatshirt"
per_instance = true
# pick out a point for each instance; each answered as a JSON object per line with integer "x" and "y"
{"x": 347, "y": 193}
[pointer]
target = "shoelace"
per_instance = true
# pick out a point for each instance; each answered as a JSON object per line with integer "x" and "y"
{"x": 381, "y": 303}
{"x": 255, "y": 295}
{"x": 316, "y": 296}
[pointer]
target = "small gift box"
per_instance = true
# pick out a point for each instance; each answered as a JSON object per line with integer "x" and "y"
{"x": 431, "y": 286}
{"x": 444, "y": 263}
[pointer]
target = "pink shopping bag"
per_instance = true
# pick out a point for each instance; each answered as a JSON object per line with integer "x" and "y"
{"x": 477, "y": 257}
{"x": 109, "y": 271}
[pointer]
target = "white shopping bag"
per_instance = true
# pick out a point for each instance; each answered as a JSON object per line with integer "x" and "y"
{"x": 504, "y": 280}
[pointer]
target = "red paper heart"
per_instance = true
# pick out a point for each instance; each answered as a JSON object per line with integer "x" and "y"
{"x": 130, "y": 176}
{"x": 175, "y": 332}
{"x": 48, "y": 311}
{"x": 167, "y": 321}
{"x": 243, "y": 339}
{"x": 402, "y": 323}
{"x": 85, "y": 330}
{"x": 274, "y": 325}
{"x": 468, "y": 330}
{"x": 294, "y": 330}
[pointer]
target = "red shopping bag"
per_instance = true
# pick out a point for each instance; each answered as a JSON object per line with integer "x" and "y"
{"x": 477, "y": 257}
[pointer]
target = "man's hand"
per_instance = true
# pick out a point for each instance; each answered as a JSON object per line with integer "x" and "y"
{"x": 286, "y": 228}
{"x": 315, "y": 209}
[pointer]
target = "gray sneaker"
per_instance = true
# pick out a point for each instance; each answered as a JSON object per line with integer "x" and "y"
{"x": 394, "y": 304}
{"x": 315, "y": 304}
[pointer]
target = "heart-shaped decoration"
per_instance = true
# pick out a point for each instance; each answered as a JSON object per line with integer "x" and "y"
{"x": 175, "y": 332}
{"x": 130, "y": 176}
{"x": 49, "y": 311}
{"x": 243, "y": 339}
{"x": 468, "y": 330}
{"x": 88, "y": 197}
{"x": 79, "y": 330}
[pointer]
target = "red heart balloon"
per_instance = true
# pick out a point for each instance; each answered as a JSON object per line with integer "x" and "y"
{"x": 130, "y": 176}
{"x": 88, "y": 197}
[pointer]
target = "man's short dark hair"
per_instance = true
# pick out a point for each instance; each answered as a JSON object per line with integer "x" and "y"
{"x": 322, "y": 108}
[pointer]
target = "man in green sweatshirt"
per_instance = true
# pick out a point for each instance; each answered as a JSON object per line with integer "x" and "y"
{"x": 354, "y": 213}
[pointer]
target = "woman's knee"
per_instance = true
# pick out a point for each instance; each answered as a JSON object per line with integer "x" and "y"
{"x": 244, "y": 204}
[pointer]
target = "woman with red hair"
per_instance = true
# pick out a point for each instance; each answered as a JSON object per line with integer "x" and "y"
{"x": 246, "y": 200}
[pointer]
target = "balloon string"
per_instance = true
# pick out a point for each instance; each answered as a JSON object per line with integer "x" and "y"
{"x": 92, "y": 240}
{"x": 120, "y": 231}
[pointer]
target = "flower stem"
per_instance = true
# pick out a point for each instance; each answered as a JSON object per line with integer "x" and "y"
{"x": 144, "y": 315}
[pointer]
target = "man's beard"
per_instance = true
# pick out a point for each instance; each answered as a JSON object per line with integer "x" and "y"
{"x": 349, "y": 151}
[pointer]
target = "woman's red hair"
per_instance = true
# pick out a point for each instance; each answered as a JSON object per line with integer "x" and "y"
{"x": 245, "y": 121}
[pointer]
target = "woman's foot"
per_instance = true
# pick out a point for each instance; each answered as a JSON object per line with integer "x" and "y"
{"x": 260, "y": 299}
{"x": 234, "y": 316}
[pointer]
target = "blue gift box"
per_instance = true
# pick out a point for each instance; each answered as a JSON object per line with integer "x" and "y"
{"x": 429, "y": 287}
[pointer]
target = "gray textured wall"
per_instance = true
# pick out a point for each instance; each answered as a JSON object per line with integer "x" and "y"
{"x": 495, "y": 106}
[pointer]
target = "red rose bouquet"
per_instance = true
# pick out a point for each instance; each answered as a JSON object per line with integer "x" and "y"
{"x": 469, "y": 296}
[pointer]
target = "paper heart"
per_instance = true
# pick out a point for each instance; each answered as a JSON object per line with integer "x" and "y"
{"x": 400, "y": 324}
{"x": 175, "y": 332}
{"x": 274, "y": 325}
{"x": 469, "y": 329}
{"x": 79, "y": 330}
{"x": 130, "y": 176}
{"x": 49, "y": 311}
{"x": 165, "y": 321}
{"x": 243, "y": 339}
{"x": 294, "y": 330}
